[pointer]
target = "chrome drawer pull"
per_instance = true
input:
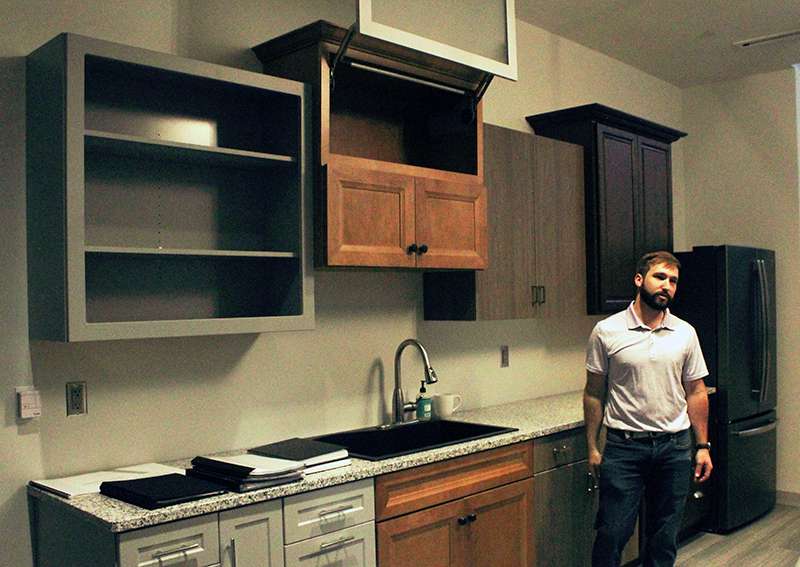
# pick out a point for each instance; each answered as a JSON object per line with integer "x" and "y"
{"x": 338, "y": 543}
{"x": 335, "y": 511}
{"x": 172, "y": 556}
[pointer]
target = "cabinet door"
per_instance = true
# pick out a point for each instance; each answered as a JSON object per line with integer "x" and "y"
{"x": 617, "y": 208}
{"x": 370, "y": 216}
{"x": 564, "y": 517}
{"x": 504, "y": 288}
{"x": 451, "y": 222}
{"x": 252, "y": 536}
{"x": 428, "y": 537}
{"x": 656, "y": 197}
{"x": 499, "y": 527}
{"x": 559, "y": 228}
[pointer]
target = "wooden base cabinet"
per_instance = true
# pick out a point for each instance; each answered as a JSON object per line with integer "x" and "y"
{"x": 488, "y": 529}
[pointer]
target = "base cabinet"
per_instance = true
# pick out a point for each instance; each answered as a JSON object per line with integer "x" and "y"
{"x": 488, "y": 529}
{"x": 566, "y": 504}
{"x": 251, "y": 536}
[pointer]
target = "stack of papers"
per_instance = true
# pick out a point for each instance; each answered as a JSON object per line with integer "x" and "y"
{"x": 316, "y": 456}
{"x": 89, "y": 483}
{"x": 246, "y": 472}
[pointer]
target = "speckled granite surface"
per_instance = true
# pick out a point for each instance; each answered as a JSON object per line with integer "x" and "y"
{"x": 533, "y": 418}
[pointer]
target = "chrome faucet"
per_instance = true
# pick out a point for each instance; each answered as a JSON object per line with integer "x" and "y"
{"x": 399, "y": 405}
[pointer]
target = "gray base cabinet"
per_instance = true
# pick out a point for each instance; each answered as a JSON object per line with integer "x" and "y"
{"x": 566, "y": 503}
{"x": 166, "y": 197}
{"x": 249, "y": 536}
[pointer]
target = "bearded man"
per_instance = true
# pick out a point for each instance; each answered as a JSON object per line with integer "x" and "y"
{"x": 644, "y": 383}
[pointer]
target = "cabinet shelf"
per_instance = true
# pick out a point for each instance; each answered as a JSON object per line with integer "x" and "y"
{"x": 166, "y": 197}
{"x": 146, "y": 148}
{"x": 188, "y": 252}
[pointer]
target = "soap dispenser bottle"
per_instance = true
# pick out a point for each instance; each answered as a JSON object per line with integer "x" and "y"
{"x": 424, "y": 404}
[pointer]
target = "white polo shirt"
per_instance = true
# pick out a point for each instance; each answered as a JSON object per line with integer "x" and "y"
{"x": 645, "y": 370}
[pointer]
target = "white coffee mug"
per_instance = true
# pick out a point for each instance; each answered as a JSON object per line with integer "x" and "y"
{"x": 445, "y": 404}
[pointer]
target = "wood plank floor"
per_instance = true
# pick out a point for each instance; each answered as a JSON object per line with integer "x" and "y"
{"x": 772, "y": 541}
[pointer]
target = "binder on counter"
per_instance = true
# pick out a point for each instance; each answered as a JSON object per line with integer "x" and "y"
{"x": 247, "y": 466}
{"x": 159, "y": 491}
{"x": 239, "y": 484}
{"x": 308, "y": 451}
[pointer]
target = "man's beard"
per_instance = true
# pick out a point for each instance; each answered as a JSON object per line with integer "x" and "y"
{"x": 651, "y": 299}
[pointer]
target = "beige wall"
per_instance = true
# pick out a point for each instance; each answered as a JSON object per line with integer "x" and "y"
{"x": 164, "y": 399}
{"x": 742, "y": 187}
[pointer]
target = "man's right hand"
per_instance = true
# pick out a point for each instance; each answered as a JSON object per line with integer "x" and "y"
{"x": 594, "y": 461}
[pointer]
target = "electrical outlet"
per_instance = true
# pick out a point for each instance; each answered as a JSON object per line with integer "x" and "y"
{"x": 503, "y": 356}
{"x": 76, "y": 398}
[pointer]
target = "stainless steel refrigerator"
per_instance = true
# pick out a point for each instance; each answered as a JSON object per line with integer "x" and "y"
{"x": 728, "y": 294}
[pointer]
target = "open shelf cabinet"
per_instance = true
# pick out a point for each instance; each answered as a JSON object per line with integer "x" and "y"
{"x": 166, "y": 197}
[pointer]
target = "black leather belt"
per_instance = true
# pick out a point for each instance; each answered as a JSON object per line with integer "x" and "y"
{"x": 625, "y": 434}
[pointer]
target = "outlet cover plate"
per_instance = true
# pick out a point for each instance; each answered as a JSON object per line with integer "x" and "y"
{"x": 76, "y": 398}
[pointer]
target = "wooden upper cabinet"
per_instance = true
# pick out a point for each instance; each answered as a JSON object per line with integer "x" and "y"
{"x": 535, "y": 236}
{"x": 628, "y": 188}
{"x": 386, "y": 145}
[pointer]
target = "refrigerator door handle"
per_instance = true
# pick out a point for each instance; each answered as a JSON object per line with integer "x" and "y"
{"x": 757, "y": 430}
{"x": 761, "y": 328}
{"x": 762, "y": 276}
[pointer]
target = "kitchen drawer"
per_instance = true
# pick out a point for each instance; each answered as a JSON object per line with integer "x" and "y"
{"x": 559, "y": 449}
{"x": 324, "y": 511}
{"x": 193, "y": 542}
{"x": 350, "y": 547}
{"x": 420, "y": 487}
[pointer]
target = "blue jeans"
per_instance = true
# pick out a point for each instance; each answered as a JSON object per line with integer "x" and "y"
{"x": 658, "y": 467}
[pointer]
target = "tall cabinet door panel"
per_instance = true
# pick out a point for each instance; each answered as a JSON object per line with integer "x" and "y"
{"x": 656, "y": 178}
{"x": 559, "y": 228}
{"x": 618, "y": 207}
{"x": 451, "y": 222}
{"x": 370, "y": 217}
{"x": 252, "y": 536}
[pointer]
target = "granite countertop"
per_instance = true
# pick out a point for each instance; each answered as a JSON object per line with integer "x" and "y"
{"x": 533, "y": 418}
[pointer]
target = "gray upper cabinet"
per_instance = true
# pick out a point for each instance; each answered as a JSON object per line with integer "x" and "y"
{"x": 166, "y": 197}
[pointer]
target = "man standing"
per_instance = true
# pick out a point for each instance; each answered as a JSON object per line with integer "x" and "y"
{"x": 644, "y": 383}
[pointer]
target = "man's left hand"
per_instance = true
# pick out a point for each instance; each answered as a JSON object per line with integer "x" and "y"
{"x": 702, "y": 465}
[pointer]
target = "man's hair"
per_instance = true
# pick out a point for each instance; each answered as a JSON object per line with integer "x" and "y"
{"x": 652, "y": 258}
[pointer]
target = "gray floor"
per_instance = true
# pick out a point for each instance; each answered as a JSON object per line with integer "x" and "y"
{"x": 772, "y": 541}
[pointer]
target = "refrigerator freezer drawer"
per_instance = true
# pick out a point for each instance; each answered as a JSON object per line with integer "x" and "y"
{"x": 748, "y": 472}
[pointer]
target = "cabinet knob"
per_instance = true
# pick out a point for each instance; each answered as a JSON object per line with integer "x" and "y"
{"x": 698, "y": 494}
{"x": 412, "y": 249}
{"x": 472, "y": 517}
{"x": 558, "y": 450}
{"x": 423, "y": 248}
{"x": 463, "y": 521}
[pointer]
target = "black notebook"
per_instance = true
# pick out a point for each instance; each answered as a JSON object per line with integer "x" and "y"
{"x": 159, "y": 491}
{"x": 307, "y": 451}
{"x": 237, "y": 484}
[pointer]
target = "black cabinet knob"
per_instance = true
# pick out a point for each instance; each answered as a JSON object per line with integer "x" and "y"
{"x": 423, "y": 248}
{"x": 472, "y": 517}
{"x": 463, "y": 521}
{"x": 412, "y": 249}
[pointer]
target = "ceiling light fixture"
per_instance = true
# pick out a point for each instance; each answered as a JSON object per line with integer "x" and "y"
{"x": 752, "y": 42}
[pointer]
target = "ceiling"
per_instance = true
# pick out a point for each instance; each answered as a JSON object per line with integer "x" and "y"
{"x": 684, "y": 42}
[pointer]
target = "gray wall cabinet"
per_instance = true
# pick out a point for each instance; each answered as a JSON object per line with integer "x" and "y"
{"x": 166, "y": 197}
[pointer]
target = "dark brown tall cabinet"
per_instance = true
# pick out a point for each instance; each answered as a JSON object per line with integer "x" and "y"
{"x": 628, "y": 193}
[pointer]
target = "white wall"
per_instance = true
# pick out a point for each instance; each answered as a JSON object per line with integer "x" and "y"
{"x": 165, "y": 399}
{"x": 742, "y": 188}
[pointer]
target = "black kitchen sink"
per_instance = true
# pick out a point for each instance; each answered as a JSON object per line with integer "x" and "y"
{"x": 377, "y": 443}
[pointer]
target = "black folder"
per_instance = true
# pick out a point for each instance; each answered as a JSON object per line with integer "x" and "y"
{"x": 159, "y": 491}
